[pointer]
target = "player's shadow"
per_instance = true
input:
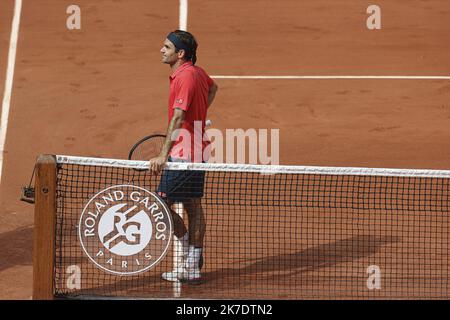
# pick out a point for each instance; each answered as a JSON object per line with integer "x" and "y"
{"x": 272, "y": 269}
{"x": 322, "y": 256}
{"x": 16, "y": 248}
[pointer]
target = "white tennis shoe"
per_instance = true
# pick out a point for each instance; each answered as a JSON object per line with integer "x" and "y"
{"x": 183, "y": 275}
{"x": 174, "y": 275}
{"x": 192, "y": 274}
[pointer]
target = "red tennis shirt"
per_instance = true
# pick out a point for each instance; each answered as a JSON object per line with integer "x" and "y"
{"x": 189, "y": 88}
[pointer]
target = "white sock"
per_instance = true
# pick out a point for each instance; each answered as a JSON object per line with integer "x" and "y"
{"x": 194, "y": 257}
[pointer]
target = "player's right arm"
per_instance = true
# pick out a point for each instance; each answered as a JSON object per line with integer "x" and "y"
{"x": 156, "y": 164}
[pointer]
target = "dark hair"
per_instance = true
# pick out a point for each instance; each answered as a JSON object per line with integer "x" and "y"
{"x": 189, "y": 40}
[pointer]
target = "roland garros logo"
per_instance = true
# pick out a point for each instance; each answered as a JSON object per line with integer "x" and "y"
{"x": 125, "y": 229}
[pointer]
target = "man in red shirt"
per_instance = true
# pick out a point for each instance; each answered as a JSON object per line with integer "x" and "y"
{"x": 191, "y": 93}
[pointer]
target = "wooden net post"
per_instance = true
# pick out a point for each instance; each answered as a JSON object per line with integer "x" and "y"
{"x": 44, "y": 227}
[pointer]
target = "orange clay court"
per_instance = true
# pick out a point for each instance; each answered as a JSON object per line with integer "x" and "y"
{"x": 94, "y": 92}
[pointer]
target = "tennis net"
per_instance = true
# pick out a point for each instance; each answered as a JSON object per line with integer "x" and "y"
{"x": 272, "y": 232}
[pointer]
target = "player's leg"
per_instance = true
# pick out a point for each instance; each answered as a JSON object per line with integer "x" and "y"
{"x": 197, "y": 228}
{"x": 197, "y": 224}
{"x": 187, "y": 187}
{"x": 179, "y": 228}
{"x": 169, "y": 180}
{"x": 180, "y": 244}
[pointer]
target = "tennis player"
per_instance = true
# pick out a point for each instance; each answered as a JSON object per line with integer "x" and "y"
{"x": 191, "y": 93}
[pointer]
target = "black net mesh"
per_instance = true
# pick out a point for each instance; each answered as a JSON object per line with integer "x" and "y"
{"x": 275, "y": 236}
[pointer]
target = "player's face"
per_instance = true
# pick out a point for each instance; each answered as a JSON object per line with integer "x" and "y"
{"x": 169, "y": 54}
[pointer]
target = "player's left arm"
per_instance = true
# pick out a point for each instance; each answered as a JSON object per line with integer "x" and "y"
{"x": 212, "y": 93}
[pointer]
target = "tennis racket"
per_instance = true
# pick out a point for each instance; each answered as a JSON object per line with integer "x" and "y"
{"x": 147, "y": 148}
{"x": 150, "y": 146}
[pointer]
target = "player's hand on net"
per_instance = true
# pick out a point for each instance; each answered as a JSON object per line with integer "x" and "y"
{"x": 156, "y": 165}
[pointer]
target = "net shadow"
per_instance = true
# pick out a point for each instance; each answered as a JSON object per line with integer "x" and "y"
{"x": 268, "y": 269}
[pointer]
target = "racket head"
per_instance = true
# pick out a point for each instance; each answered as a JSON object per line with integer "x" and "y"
{"x": 147, "y": 148}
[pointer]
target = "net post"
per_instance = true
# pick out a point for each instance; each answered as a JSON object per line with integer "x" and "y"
{"x": 44, "y": 227}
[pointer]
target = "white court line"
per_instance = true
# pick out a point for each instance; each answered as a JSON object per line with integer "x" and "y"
{"x": 177, "y": 244}
{"x": 9, "y": 79}
{"x": 334, "y": 77}
{"x": 183, "y": 14}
